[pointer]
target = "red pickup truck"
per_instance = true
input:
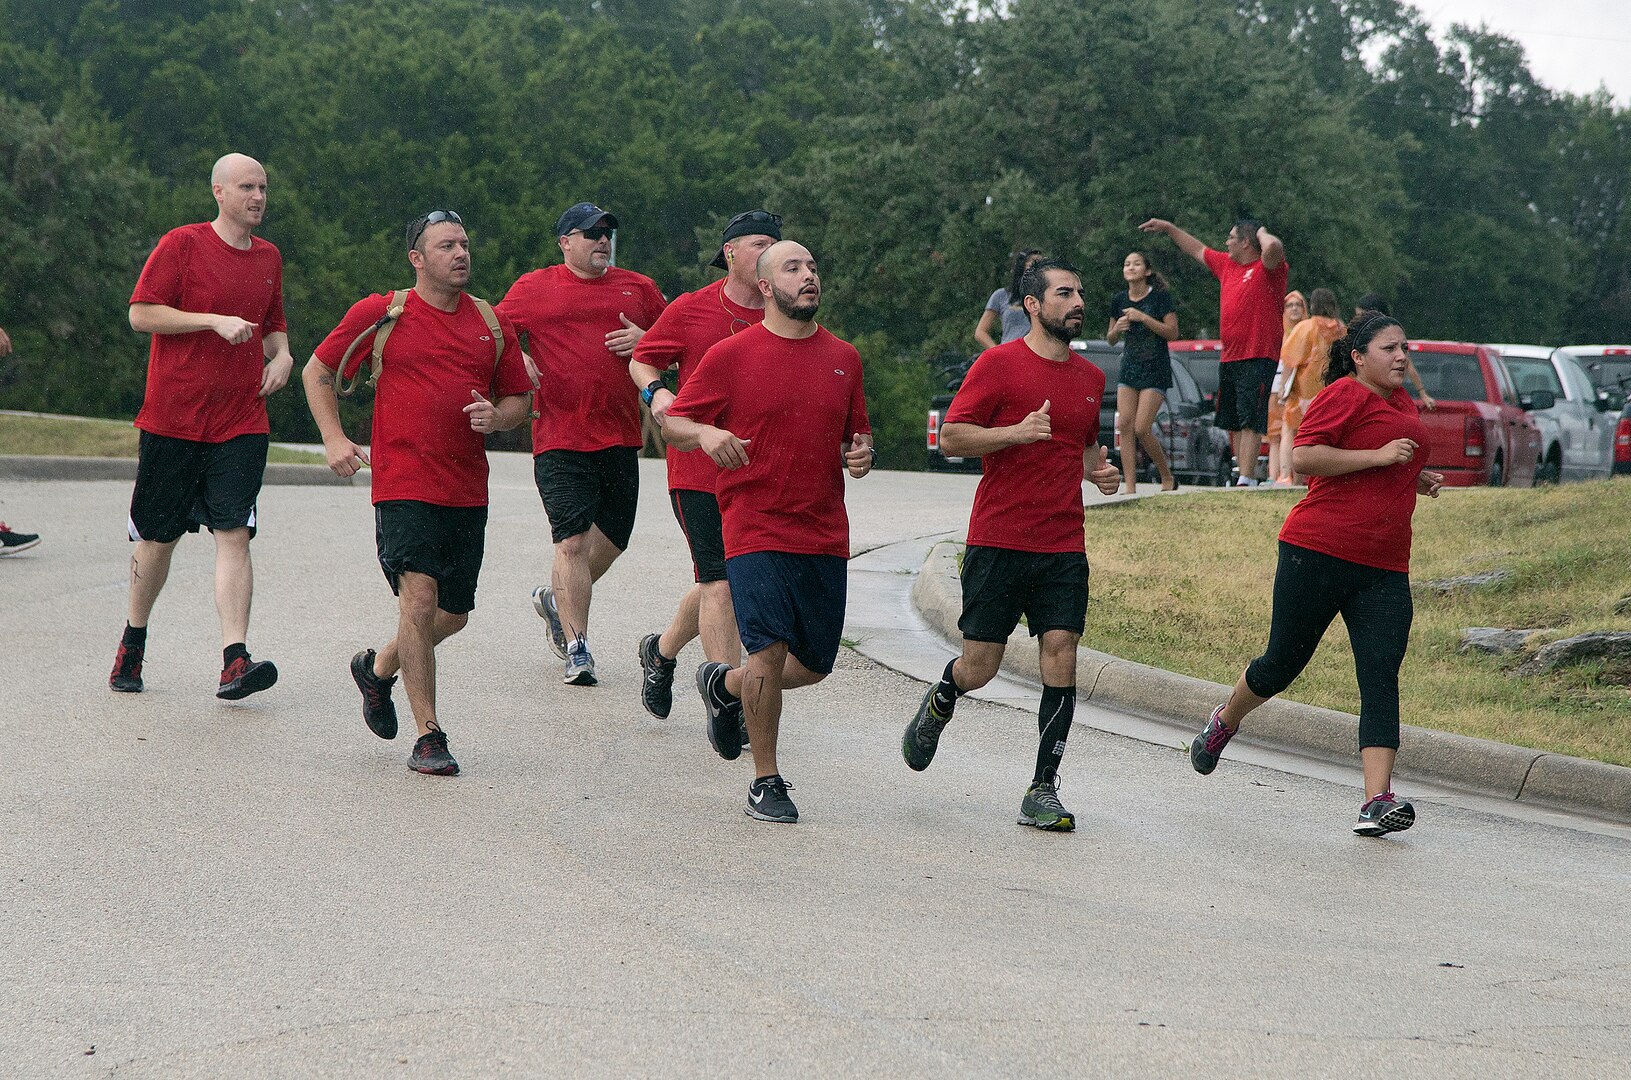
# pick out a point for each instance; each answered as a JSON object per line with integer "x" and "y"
{"x": 1481, "y": 432}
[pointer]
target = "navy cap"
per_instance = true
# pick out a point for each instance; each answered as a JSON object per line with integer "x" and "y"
{"x": 582, "y": 215}
{"x": 749, "y": 223}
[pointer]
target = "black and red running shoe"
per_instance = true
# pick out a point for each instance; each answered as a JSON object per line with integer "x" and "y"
{"x": 127, "y": 670}
{"x": 378, "y": 711}
{"x": 244, "y": 676}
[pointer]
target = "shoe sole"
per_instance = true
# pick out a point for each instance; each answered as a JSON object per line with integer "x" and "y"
{"x": 1063, "y": 824}
{"x": 261, "y": 678}
{"x": 760, "y": 815}
{"x": 582, "y": 678}
{"x": 358, "y": 678}
{"x": 19, "y": 547}
{"x": 1396, "y": 820}
{"x": 714, "y": 717}
{"x": 645, "y": 675}
{"x": 557, "y": 632}
{"x": 125, "y": 687}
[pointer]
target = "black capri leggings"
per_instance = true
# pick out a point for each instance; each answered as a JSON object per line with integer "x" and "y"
{"x": 1311, "y": 589}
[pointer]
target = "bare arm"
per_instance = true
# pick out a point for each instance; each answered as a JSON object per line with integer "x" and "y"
{"x": 726, "y": 450}
{"x": 982, "y": 331}
{"x": 644, "y": 375}
{"x": 1274, "y": 252}
{"x": 972, "y": 440}
{"x": 1186, "y": 243}
{"x": 279, "y": 365}
{"x": 5, "y": 342}
{"x": 1316, "y": 460}
{"x": 164, "y": 319}
{"x": 344, "y": 456}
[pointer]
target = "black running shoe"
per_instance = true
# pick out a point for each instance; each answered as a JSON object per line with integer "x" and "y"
{"x": 11, "y": 542}
{"x": 430, "y": 755}
{"x": 1042, "y": 809}
{"x": 127, "y": 670}
{"x": 378, "y": 711}
{"x": 922, "y": 736}
{"x": 657, "y": 686}
{"x": 244, "y": 676}
{"x": 768, "y": 801}
{"x": 1207, "y": 747}
{"x": 724, "y": 723}
{"x": 1384, "y": 814}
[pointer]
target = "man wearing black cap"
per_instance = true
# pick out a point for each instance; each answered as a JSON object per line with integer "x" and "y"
{"x": 582, "y": 319}
{"x": 689, "y": 327}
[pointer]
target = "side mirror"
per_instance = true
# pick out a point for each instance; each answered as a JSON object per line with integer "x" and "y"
{"x": 1538, "y": 400}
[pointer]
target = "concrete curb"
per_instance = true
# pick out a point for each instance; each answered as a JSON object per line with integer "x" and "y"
{"x": 1480, "y": 765}
{"x": 30, "y": 467}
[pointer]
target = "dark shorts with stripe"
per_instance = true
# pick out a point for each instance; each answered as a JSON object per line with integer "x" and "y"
{"x": 583, "y": 488}
{"x": 794, "y": 599}
{"x": 698, "y": 515}
{"x": 441, "y": 542}
{"x": 1047, "y": 588}
{"x": 183, "y": 486}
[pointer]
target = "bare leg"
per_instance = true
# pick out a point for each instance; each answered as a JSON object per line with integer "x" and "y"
{"x": 234, "y": 584}
{"x": 1377, "y": 764}
{"x": 1246, "y": 446}
{"x": 1240, "y": 705}
{"x": 759, "y": 684}
{"x": 978, "y": 665}
{"x": 717, "y": 618}
{"x": 1149, "y": 403}
{"x": 580, "y": 561}
{"x": 149, "y": 569}
{"x": 1126, "y": 427}
{"x": 684, "y": 629}
{"x": 1288, "y": 435}
{"x": 413, "y": 650}
{"x": 1058, "y": 664}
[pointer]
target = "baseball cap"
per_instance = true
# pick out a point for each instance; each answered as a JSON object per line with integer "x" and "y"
{"x": 748, "y": 223}
{"x": 582, "y": 215}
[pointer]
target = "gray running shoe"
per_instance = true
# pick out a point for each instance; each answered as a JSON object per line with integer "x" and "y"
{"x": 657, "y": 678}
{"x": 725, "y": 721}
{"x": 431, "y": 756}
{"x": 543, "y": 602}
{"x": 768, "y": 801}
{"x": 1043, "y": 810}
{"x": 1384, "y": 814}
{"x": 1207, "y": 747}
{"x": 922, "y": 736}
{"x": 580, "y": 666}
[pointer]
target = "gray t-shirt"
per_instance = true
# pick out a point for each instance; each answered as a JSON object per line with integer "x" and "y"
{"x": 1015, "y": 322}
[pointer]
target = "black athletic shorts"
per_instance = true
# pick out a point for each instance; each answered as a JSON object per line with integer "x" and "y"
{"x": 999, "y": 585}
{"x": 595, "y": 487}
{"x": 698, "y": 515}
{"x": 182, "y": 486}
{"x": 442, "y": 542}
{"x": 1243, "y": 394}
{"x": 1152, "y": 374}
{"x": 794, "y": 599}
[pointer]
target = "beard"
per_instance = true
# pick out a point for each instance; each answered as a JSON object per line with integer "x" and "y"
{"x": 1059, "y": 329}
{"x": 788, "y": 304}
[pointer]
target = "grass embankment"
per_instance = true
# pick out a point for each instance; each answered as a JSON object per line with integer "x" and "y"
{"x": 1185, "y": 584}
{"x": 86, "y": 437}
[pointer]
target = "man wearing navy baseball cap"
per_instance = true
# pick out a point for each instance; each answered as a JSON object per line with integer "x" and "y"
{"x": 581, "y": 319}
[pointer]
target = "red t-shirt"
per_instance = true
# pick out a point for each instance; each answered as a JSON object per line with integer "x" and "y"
{"x": 1362, "y": 516}
{"x": 1030, "y": 498}
{"x": 686, "y": 329}
{"x": 1251, "y": 311}
{"x": 586, "y": 400}
{"x": 199, "y": 385}
{"x": 422, "y": 446}
{"x": 796, "y": 401}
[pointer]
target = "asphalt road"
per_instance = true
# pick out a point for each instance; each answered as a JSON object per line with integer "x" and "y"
{"x": 191, "y": 888}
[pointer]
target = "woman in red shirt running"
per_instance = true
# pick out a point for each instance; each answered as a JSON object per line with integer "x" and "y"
{"x": 1345, "y": 550}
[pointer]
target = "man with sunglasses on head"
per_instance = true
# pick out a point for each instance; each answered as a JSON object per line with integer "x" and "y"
{"x": 211, "y": 294}
{"x": 687, "y": 328}
{"x": 582, "y": 319}
{"x": 443, "y": 385}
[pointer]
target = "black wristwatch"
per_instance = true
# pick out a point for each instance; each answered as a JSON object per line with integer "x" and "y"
{"x": 651, "y": 390}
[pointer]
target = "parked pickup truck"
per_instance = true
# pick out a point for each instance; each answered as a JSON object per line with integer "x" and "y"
{"x": 1577, "y": 433}
{"x": 1609, "y": 369}
{"x": 1185, "y": 426}
{"x": 1481, "y": 432}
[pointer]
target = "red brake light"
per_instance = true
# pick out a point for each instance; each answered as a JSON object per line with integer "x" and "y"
{"x": 934, "y": 429}
{"x": 1473, "y": 438}
{"x": 1622, "y": 440}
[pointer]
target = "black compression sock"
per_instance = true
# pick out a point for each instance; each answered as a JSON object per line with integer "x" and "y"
{"x": 232, "y": 652}
{"x": 135, "y": 637}
{"x": 946, "y": 691}
{"x": 1053, "y": 720}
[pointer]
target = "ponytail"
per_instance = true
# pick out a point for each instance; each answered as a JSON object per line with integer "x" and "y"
{"x": 1362, "y": 330}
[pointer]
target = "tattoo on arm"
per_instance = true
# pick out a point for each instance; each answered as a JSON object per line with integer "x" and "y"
{"x": 325, "y": 380}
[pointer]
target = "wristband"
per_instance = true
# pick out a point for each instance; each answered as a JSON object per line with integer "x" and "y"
{"x": 651, "y": 390}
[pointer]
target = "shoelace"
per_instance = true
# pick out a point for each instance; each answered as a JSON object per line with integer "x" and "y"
{"x": 1048, "y": 796}
{"x": 129, "y": 658}
{"x": 235, "y": 669}
{"x": 774, "y": 785}
{"x": 1217, "y": 736}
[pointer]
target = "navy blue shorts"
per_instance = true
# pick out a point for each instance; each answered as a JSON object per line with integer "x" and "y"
{"x": 794, "y": 599}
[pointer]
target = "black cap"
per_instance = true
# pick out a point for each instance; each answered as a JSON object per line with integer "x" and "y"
{"x": 749, "y": 223}
{"x": 582, "y": 215}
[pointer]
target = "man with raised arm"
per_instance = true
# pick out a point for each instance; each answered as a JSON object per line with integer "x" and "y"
{"x": 211, "y": 294}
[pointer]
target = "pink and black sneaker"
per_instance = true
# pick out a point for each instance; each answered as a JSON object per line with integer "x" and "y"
{"x": 1205, "y": 750}
{"x": 1384, "y": 814}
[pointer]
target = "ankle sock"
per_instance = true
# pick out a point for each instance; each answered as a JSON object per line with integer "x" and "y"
{"x": 721, "y": 695}
{"x": 1053, "y": 721}
{"x": 946, "y": 691}
{"x": 232, "y": 652}
{"x": 135, "y": 637}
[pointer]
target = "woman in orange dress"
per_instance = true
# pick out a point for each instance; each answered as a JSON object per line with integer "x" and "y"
{"x": 1303, "y": 359}
{"x": 1296, "y": 310}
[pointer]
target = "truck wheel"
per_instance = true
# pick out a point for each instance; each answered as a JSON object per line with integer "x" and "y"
{"x": 1550, "y": 471}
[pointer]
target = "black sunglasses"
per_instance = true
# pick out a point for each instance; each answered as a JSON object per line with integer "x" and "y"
{"x": 425, "y": 221}
{"x": 757, "y": 217}
{"x": 599, "y": 232}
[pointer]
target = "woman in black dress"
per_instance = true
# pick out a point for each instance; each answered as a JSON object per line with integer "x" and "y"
{"x": 1142, "y": 315}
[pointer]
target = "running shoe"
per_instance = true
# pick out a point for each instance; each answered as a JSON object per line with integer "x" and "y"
{"x": 378, "y": 711}
{"x": 12, "y": 542}
{"x": 768, "y": 801}
{"x": 741, "y": 719}
{"x": 430, "y": 755}
{"x": 580, "y": 666}
{"x": 127, "y": 669}
{"x": 1384, "y": 814}
{"x": 922, "y": 736}
{"x": 725, "y": 726}
{"x": 244, "y": 676}
{"x": 1043, "y": 810}
{"x": 657, "y": 683}
{"x": 543, "y": 602}
{"x": 1208, "y": 745}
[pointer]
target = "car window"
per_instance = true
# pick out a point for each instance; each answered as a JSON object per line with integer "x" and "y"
{"x": 1503, "y": 381}
{"x": 1107, "y": 358}
{"x": 1531, "y": 375}
{"x": 1606, "y": 370}
{"x": 1203, "y": 367}
{"x": 1184, "y": 383}
{"x": 1579, "y": 385}
{"x": 1451, "y": 376}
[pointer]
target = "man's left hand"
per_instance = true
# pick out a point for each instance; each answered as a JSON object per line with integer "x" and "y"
{"x": 858, "y": 458}
{"x": 622, "y": 342}
{"x": 482, "y": 413}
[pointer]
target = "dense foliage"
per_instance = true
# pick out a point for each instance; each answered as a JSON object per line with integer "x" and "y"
{"x": 911, "y": 144}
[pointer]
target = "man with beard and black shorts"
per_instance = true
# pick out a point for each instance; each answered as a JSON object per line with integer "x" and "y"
{"x": 582, "y": 318}
{"x": 1251, "y": 321}
{"x": 687, "y": 329}
{"x": 450, "y": 372}
{"x": 211, "y": 295}
{"x": 780, "y": 409}
{"x": 1030, "y": 411}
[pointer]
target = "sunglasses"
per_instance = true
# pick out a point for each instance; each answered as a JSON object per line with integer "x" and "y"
{"x": 435, "y": 217}
{"x": 757, "y": 217}
{"x": 599, "y": 232}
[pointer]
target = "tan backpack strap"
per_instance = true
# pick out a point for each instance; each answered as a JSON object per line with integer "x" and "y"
{"x": 379, "y": 331}
{"x": 399, "y": 300}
